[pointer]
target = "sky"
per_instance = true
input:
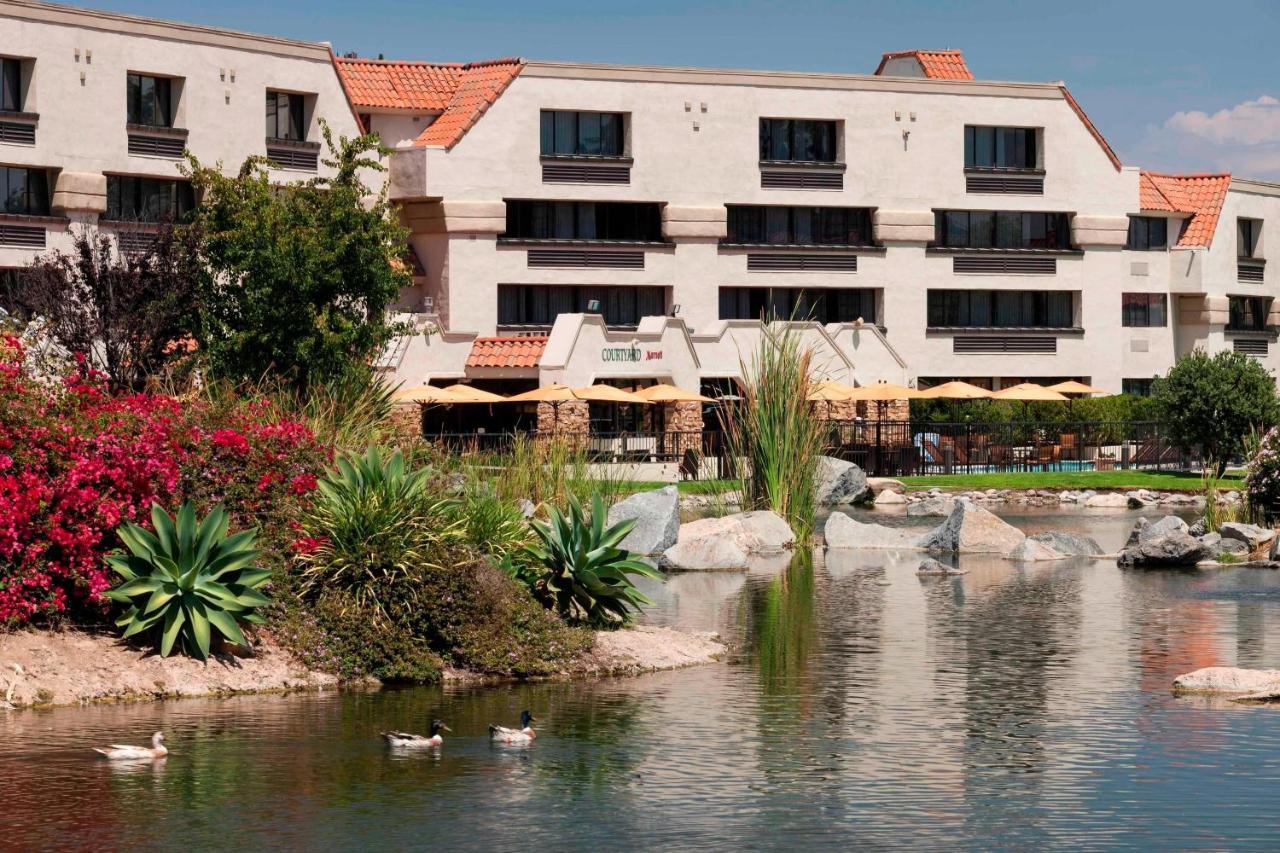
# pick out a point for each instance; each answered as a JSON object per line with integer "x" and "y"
{"x": 1179, "y": 85}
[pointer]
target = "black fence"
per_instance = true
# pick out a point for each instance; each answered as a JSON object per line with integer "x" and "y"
{"x": 891, "y": 448}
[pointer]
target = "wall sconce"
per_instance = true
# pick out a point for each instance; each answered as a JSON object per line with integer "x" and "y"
{"x": 222, "y": 74}
{"x": 77, "y": 54}
{"x": 81, "y": 78}
{"x": 675, "y": 309}
{"x": 88, "y": 55}
{"x": 593, "y": 306}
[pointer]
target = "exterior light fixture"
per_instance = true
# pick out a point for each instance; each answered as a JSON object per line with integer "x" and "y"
{"x": 593, "y": 306}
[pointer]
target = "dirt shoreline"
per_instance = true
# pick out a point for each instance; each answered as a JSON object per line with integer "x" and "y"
{"x": 74, "y": 667}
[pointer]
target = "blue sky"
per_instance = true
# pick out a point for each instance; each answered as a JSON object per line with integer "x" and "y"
{"x": 1175, "y": 85}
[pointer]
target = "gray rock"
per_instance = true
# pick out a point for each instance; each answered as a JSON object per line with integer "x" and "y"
{"x": 1114, "y": 500}
{"x": 972, "y": 529}
{"x": 527, "y": 507}
{"x": 878, "y": 485}
{"x": 838, "y": 482}
{"x": 1032, "y": 551}
{"x": 1257, "y": 540}
{"x": 1176, "y": 548}
{"x": 657, "y": 517}
{"x": 729, "y": 542}
{"x": 890, "y": 498}
{"x": 933, "y": 505}
{"x": 1167, "y": 524}
{"x": 1069, "y": 544}
{"x": 1228, "y": 679}
{"x": 1135, "y": 534}
{"x": 841, "y": 531}
{"x": 930, "y": 566}
{"x": 1197, "y": 529}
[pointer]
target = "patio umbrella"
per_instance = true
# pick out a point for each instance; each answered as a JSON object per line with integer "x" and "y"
{"x": 955, "y": 391}
{"x": 424, "y": 394}
{"x": 555, "y": 394}
{"x": 608, "y": 394}
{"x": 1029, "y": 392}
{"x": 664, "y": 393}
{"x": 468, "y": 394}
{"x": 830, "y": 391}
{"x": 1074, "y": 387}
{"x": 884, "y": 392}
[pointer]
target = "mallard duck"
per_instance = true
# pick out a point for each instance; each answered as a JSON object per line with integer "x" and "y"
{"x": 404, "y": 739}
{"x": 524, "y": 734}
{"x": 120, "y": 752}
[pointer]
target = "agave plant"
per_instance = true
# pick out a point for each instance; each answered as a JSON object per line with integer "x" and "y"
{"x": 187, "y": 578}
{"x": 580, "y": 570}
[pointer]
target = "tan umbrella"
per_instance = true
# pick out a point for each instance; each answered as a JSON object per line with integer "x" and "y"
{"x": 1073, "y": 387}
{"x": 468, "y": 394}
{"x": 884, "y": 392}
{"x": 424, "y": 394}
{"x": 664, "y": 393}
{"x": 830, "y": 391}
{"x": 608, "y": 394}
{"x": 1029, "y": 392}
{"x": 554, "y": 393}
{"x": 955, "y": 391}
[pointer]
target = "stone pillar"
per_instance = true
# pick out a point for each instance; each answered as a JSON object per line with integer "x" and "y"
{"x": 683, "y": 427}
{"x": 571, "y": 417}
{"x": 406, "y": 421}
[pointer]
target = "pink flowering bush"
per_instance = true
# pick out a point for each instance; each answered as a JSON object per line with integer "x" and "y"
{"x": 77, "y": 461}
{"x": 1262, "y": 480}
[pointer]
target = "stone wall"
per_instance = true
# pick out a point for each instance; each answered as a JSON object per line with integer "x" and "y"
{"x": 572, "y": 417}
{"x": 685, "y": 420}
{"x": 848, "y": 410}
{"x": 406, "y": 421}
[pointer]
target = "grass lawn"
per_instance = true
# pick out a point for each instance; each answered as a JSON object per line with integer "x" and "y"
{"x": 687, "y": 487}
{"x": 1164, "y": 481}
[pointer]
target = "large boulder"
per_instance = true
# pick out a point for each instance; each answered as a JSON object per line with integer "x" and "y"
{"x": 1228, "y": 679}
{"x": 890, "y": 498}
{"x": 1068, "y": 544}
{"x": 838, "y": 482}
{"x": 1257, "y": 540}
{"x": 972, "y": 529}
{"x": 1168, "y": 524}
{"x": 1135, "y": 533}
{"x": 1113, "y": 500}
{"x": 1174, "y": 548}
{"x": 841, "y": 531}
{"x": 932, "y": 505}
{"x": 879, "y": 485}
{"x": 657, "y": 518}
{"x": 1032, "y": 551}
{"x": 730, "y": 542}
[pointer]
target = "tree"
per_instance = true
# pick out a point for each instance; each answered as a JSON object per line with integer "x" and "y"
{"x": 128, "y": 313}
{"x": 301, "y": 275}
{"x": 1214, "y": 401}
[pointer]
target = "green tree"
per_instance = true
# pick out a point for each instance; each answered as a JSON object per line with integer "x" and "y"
{"x": 302, "y": 274}
{"x": 1214, "y": 402}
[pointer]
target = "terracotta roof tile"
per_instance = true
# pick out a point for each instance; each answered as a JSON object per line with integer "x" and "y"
{"x": 936, "y": 64}
{"x": 1199, "y": 195}
{"x": 507, "y": 352}
{"x": 460, "y": 93}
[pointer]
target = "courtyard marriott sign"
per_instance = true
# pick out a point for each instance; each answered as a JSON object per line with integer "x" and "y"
{"x": 630, "y": 353}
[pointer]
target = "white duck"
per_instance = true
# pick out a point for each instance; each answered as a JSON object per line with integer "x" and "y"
{"x": 404, "y": 739}
{"x": 524, "y": 734}
{"x": 121, "y": 752}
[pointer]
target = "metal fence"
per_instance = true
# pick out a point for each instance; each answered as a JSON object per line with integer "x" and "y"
{"x": 890, "y": 448}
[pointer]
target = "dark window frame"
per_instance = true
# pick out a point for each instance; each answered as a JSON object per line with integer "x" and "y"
{"x": 1136, "y": 386}
{"x": 823, "y": 304}
{"x": 1247, "y": 313}
{"x": 986, "y": 146}
{"x": 781, "y": 139}
{"x": 561, "y": 133}
{"x": 149, "y": 100}
{"x": 584, "y": 221}
{"x": 11, "y": 90}
{"x": 1248, "y": 232}
{"x": 1144, "y": 310}
{"x": 1001, "y": 309}
{"x": 782, "y": 225}
{"x": 540, "y": 304}
{"x": 136, "y": 198}
{"x": 295, "y": 127}
{"x": 24, "y": 191}
{"x": 992, "y": 229}
{"x": 1148, "y": 234}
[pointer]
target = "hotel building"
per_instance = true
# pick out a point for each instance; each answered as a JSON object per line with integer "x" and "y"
{"x": 583, "y": 223}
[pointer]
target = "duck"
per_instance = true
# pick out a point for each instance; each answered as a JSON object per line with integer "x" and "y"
{"x": 524, "y": 734}
{"x": 122, "y": 752}
{"x": 404, "y": 739}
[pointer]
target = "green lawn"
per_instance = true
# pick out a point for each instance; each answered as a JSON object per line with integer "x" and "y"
{"x": 1164, "y": 481}
{"x": 687, "y": 487}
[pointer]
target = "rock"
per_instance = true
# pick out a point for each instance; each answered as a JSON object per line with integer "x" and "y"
{"x": 1135, "y": 533}
{"x": 890, "y": 498}
{"x": 1114, "y": 500}
{"x": 1257, "y": 540}
{"x": 1197, "y": 529}
{"x": 657, "y": 517}
{"x": 527, "y": 507}
{"x": 939, "y": 505}
{"x": 1228, "y": 679}
{"x": 841, "y": 531}
{"x": 1168, "y": 524}
{"x": 1176, "y": 548}
{"x": 930, "y": 566}
{"x": 1032, "y": 551}
{"x": 1069, "y": 544}
{"x": 879, "y": 485}
{"x": 972, "y": 529}
{"x": 729, "y": 542}
{"x": 838, "y": 482}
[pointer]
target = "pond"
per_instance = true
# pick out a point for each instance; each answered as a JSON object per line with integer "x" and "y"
{"x": 1010, "y": 707}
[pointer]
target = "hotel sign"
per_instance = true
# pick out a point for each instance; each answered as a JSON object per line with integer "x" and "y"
{"x": 632, "y": 353}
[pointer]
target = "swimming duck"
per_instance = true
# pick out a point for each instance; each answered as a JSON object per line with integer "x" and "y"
{"x": 119, "y": 752}
{"x": 524, "y": 734}
{"x": 404, "y": 739}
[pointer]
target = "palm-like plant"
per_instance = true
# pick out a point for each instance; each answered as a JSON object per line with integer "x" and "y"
{"x": 187, "y": 578}
{"x": 580, "y": 570}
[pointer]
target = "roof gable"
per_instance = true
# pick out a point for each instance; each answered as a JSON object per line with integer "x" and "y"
{"x": 1201, "y": 196}
{"x": 935, "y": 64}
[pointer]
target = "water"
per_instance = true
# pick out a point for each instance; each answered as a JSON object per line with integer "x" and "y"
{"x": 1010, "y": 707}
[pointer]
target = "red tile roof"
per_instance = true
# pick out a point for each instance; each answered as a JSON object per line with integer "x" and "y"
{"x": 936, "y": 64}
{"x": 459, "y": 92}
{"x": 507, "y": 352}
{"x": 1200, "y": 195}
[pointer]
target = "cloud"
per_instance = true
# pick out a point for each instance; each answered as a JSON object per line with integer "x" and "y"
{"x": 1255, "y": 122}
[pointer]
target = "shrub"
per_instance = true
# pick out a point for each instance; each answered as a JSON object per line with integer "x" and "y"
{"x": 1262, "y": 480}
{"x": 490, "y": 524}
{"x": 579, "y": 570}
{"x": 186, "y": 578}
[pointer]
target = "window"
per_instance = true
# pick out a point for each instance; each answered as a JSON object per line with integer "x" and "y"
{"x": 1148, "y": 233}
{"x": 538, "y": 305}
{"x": 131, "y": 199}
{"x": 24, "y": 191}
{"x": 1144, "y": 310}
{"x": 1136, "y": 387}
{"x": 826, "y": 226}
{"x": 582, "y": 134}
{"x": 1000, "y": 147}
{"x": 826, "y": 305}
{"x": 1248, "y": 231}
{"x": 1247, "y": 313}
{"x": 1030, "y": 309}
{"x": 1002, "y": 229}
{"x": 150, "y": 100}
{"x": 797, "y": 139}
{"x": 285, "y": 116}
{"x": 584, "y": 220}
{"x": 10, "y": 84}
